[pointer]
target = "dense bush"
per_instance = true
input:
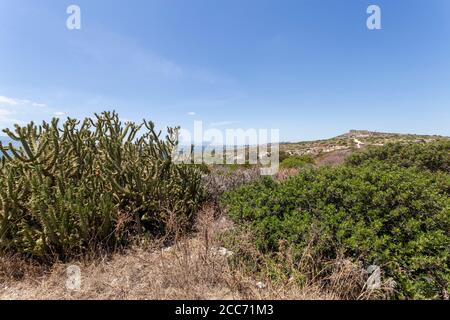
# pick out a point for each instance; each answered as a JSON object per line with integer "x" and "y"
{"x": 70, "y": 188}
{"x": 398, "y": 218}
{"x": 430, "y": 156}
{"x": 225, "y": 178}
{"x": 283, "y": 155}
{"x": 295, "y": 162}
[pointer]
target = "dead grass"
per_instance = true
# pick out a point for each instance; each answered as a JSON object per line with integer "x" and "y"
{"x": 190, "y": 269}
{"x": 16, "y": 268}
{"x": 193, "y": 268}
{"x": 284, "y": 174}
{"x": 333, "y": 158}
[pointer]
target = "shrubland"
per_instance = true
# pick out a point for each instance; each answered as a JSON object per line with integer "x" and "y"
{"x": 433, "y": 156}
{"x": 380, "y": 208}
{"x": 296, "y": 162}
{"x": 70, "y": 188}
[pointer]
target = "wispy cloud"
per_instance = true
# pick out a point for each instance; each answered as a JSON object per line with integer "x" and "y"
{"x": 38, "y": 105}
{"x": 4, "y": 100}
{"x": 4, "y": 113}
{"x": 8, "y": 101}
{"x": 223, "y": 123}
{"x": 192, "y": 113}
{"x": 17, "y": 111}
{"x": 6, "y": 117}
{"x": 109, "y": 48}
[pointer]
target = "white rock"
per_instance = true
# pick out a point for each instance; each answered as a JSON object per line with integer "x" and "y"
{"x": 374, "y": 280}
{"x": 260, "y": 285}
{"x": 225, "y": 252}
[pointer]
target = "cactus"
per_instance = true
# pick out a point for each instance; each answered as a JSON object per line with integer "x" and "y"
{"x": 70, "y": 187}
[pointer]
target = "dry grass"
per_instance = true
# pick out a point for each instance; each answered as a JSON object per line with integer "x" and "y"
{"x": 190, "y": 269}
{"x": 193, "y": 268}
{"x": 15, "y": 268}
{"x": 333, "y": 158}
{"x": 284, "y": 174}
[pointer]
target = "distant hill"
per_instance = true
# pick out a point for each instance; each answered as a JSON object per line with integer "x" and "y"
{"x": 335, "y": 150}
{"x": 354, "y": 139}
{"x": 338, "y": 147}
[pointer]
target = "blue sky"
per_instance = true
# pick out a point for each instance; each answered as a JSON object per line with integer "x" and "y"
{"x": 308, "y": 67}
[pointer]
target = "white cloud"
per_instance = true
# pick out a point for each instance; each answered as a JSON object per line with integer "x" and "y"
{"x": 38, "y": 105}
{"x": 5, "y": 117}
{"x": 8, "y": 101}
{"x": 4, "y": 113}
{"x": 20, "y": 102}
{"x": 59, "y": 114}
{"x": 191, "y": 113}
{"x": 19, "y": 111}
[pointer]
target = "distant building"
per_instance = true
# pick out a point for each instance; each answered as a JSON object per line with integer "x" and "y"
{"x": 361, "y": 133}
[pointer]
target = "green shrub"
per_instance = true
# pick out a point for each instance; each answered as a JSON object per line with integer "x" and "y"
{"x": 428, "y": 156}
{"x": 70, "y": 188}
{"x": 294, "y": 162}
{"x": 398, "y": 218}
{"x": 283, "y": 155}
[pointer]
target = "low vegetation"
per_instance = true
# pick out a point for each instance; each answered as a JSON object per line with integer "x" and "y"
{"x": 393, "y": 214}
{"x": 296, "y": 162}
{"x": 69, "y": 189}
{"x": 354, "y": 140}
{"x": 425, "y": 156}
